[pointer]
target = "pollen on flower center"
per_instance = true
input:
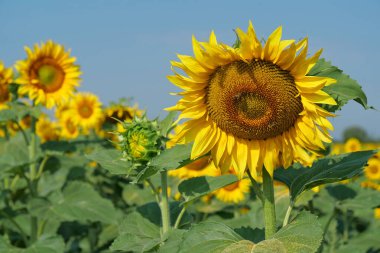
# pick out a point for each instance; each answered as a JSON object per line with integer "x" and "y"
{"x": 255, "y": 100}
{"x": 47, "y": 74}
{"x": 85, "y": 111}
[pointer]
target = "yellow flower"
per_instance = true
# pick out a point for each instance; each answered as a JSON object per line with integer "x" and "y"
{"x": 85, "y": 110}
{"x": 370, "y": 184}
{"x": 6, "y": 77}
{"x": 336, "y": 148}
{"x": 122, "y": 112}
{"x": 69, "y": 130}
{"x": 201, "y": 167}
{"x": 46, "y": 130}
{"x": 372, "y": 171}
{"x": 234, "y": 193}
{"x": 48, "y": 75}
{"x": 377, "y": 213}
{"x": 352, "y": 145}
{"x": 253, "y": 105}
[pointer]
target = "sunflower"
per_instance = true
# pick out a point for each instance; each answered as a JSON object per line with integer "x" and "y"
{"x": 352, "y": 145}
{"x": 121, "y": 112}
{"x": 377, "y": 213}
{"x": 85, "y": 110}
{"x": 6, "y": 77}
{"x": 372, "y": 171}
{"x": 49, "y": 75}
{"x": 235, "y": 192}
{"x": 253, "y": 105}
{"x": 201, "y": 167}
{"x": 69, "y": 130}
{"x": 46, "y": 129}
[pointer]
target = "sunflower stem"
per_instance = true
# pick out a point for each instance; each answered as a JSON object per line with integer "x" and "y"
{"x": 269, "y": 206}
{"x": 180, "y": 215}
{"x": 164, "y": 205}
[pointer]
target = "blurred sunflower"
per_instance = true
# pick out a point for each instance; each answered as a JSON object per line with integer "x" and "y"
{"x": 46, "y": 129}
{"x": 6, "y": 77}
{"x": 352, "y": 145}
{"x": 234, "y": 193}
{"x": 201, "y": 167}
{"x": 372, "y": 171}
{"x": 69, "y": 130}
{"x": 377, "y": 213}
{"x": 121, "y": 112}
{"x": 49, "y": 75}
{"x": 85, "y": 110}
{"x": 253, "y": 105}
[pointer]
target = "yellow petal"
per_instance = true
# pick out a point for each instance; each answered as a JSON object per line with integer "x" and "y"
{"x": 271, "y": 48}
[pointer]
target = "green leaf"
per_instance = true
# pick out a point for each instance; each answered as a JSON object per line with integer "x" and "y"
{"x": 360, "y": 199}
{"x": 173, "y": 241}
{"x": 43, "y": 245}
{"x": 136, "y": 234}
{"x": 78, "y": 202}
{"x": 362, "y": 243}
{"x": 326, "y": 170}
{"x": 208, "y": 237}
{"x": 111, "y": 160}
{"x": 243, "y": 246}
{"x": 302, "y": 235}
{"x": 13, "y": 153}
{"x": 173, "y": 158}
{"x": 197, "y": 187}
{"x": 166, "y": 125}
{"x": 344, "y": 90}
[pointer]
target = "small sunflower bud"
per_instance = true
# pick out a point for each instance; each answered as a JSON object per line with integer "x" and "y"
{"x": 141, "y": 140}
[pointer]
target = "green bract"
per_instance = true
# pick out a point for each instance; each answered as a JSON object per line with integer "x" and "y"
{"x": 141, "y": 140}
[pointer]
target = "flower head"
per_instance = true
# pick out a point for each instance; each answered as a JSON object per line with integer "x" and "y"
{"x": 6, "y": 77}
{"x": 48, "y": 75}
{"x": 141, "y": 140}
{"x": 253, "y": 105}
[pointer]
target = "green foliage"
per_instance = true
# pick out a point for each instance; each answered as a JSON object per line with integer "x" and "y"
{"x": 77, "y": 202}
{"x": 173, "y": 158}
{"x": 197, "y": 187}
{"x": 166, "y": 125}
{"x": 344, "y": 90}
{"x": 13, "y": 153}
{"x": 111, "y": 160}
{"x": 18, "y": 111}
{"x": 137, "y": 234}
{"x": 326, "y": 170}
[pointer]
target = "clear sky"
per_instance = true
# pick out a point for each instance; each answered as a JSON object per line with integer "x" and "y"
{"x": 124, "y": 47}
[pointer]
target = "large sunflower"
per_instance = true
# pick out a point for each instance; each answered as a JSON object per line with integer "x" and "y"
{"x": 6, "y": 77}
{"x": 253, "y": 105}
{"x": 86, "y": 111}
{"x": 49, "y": 75}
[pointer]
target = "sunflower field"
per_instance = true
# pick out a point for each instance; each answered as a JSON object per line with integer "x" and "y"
{"x": 243, "y": 162}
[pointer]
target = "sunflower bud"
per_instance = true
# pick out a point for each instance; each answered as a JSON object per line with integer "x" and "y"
{"x": 141, "y": 140}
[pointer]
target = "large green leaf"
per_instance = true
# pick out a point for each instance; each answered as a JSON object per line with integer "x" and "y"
{"x": 208, "y": 237}
{"x": 13, "y": 153}
{"x": 137, "y": 234}
{"x": 326, "y": 170}
{"x": 42, "y": 245}
{"x": 344, "y": 90}
{"x": 196, "y": 187}
{"x": 78, "y": 202}
{"x": 173, "y": 158}
{"x": 302, "y": 235}
{"x": 111, "y": 160}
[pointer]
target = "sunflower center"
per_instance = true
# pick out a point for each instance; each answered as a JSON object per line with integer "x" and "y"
{"x": 70, "y": 127}
{"x": 231, "y": 187}
{"x": 47, "y": 74}
{"x": 85, "y": 111}
{"x": 373, "y": 169}
{"x": 255, "y": 100}
{"x": 4, "y": 94}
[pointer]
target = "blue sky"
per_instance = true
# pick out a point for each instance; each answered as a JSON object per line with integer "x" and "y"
{"x": 124, "y": 47}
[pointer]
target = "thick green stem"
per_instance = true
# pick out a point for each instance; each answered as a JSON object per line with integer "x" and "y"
{"x": 165, "y": 212}
{"x": 269, "y": 206}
